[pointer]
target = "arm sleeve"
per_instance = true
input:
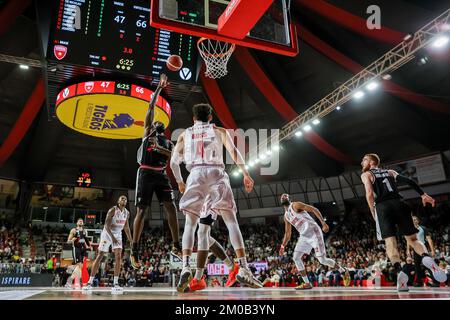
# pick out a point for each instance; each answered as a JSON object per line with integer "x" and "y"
{"x": 175, "y": 161}
{"x": 411, "y": 183}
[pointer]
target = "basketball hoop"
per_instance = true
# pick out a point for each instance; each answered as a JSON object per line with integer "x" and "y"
{"x": 216, "y": 55}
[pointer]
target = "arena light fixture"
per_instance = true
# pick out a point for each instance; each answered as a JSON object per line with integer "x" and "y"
{"x": 440, "y": 42}
{"x": 316, "y": 122}
{"x": 307, "y": 128}
{"x": 276, "y": 148}
{"x": 24, "y": 67}
{"x": 372, "y": 85}
{"x": 358, "y": 95}
{"x": 269, "y": 152}
{"x": 338, "y": 108}
{"x": 298, "y": 134}
{"x": 262, "y": 156}
{"x": 386, "y": 76}
{"x": 235, "y": 173}
{"x": 240, "y": 170}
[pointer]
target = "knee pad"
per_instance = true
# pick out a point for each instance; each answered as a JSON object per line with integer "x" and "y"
{"x": 203, "y": 237}
{"x": 326, "y": 261}
{"x": 298, "y": 260}
{"x": 207, "y": 220}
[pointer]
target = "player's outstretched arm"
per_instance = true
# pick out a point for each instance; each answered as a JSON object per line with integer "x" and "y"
{"x": 370, "y": 197}
{"x": 237, "y": 157}
{"x": 108, "y": 222}
{"x": 299, "y": 206}
{"x": 410, "y": 182}
{"x": 150, "y": 112}
{"x": 175, "y": 161}
{"x": 287, "y": 236}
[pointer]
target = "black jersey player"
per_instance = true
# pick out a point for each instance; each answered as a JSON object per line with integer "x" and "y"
{"x": 80, "y": 243}
{"x": 393, "y": 216}
{"x": 153, "y": 157}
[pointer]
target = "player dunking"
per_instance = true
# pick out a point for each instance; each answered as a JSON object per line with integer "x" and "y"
{"x": 390, "y": 213}
{"x": 310, "y": 235}
{"x": 153, "y": 157}
{"x": 201, "y": 149}
{"x": 80, "y": 243}
{"x": 116, "y": 221}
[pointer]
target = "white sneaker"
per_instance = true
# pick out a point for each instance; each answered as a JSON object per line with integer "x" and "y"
{"x": 185, "y": 279}
{"x": 245, "y": 276}
{"x": 438, "y": 273}
{"x": 87, "y": 288}
{"x": 68, "y": 286}
{"x": 116, "y": 289}
{"x": 402, "y": 282}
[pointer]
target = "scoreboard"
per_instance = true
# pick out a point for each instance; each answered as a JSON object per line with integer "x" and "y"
{"x": 117, "y": 36}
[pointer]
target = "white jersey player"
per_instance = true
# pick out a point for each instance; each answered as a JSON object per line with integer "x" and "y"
{"x": 200, "y": 147}
{"x": 116, "y": 221}
{"x": 310, "y": 235}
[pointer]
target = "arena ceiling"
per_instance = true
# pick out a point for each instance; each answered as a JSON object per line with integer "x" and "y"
{"x": 396, "y": 121}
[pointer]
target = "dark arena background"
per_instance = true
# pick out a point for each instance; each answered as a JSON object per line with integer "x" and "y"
{"x": 306, "y": 88}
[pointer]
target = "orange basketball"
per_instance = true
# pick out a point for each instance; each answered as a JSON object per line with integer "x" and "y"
{"x": 174, "y": 63}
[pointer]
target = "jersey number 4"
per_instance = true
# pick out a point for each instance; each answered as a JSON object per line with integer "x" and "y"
{"x": 200, "y": 149}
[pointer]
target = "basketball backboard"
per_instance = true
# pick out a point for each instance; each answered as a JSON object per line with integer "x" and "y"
{"x": 273, "y": 32}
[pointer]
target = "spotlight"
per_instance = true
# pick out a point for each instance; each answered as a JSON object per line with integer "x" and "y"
{"x": 440, "y": 42}
{"x": 276, "y": 148}
{"x": 386, "y": 76}
{"x": 407, "y": 37}
{"x": 338, "y": 108}
{"x": 262, "y": 156}
{"x": 422, "y": 60}
{"x": 240, "y": 170}
{"x": 307, "y": 128}
{"x": 358, "y": 95}
{"x": 235, "y": 173}
{"x": 269, "y": 152}
{"x": 298, "y": 133}
{"x": 251, "y": 164}
{"x": 316, "y": 122}
{"x": 247, "y": 167}
{"x": 372, "y": 86}
{"x": 24, "y": 67}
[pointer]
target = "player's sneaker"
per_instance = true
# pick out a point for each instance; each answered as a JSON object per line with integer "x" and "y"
{"x": 87, "y": 288}
{"x": 134, "y": 259}
{"x": 402, "y": 282}
{"x": 438, "y": 273}
{"x": 196, "y": 285}
{"x": 116, "y": 289}
{"x": 175, "y": 251}
{"x": 232, "y": 276}
{"x": 246, "y": 277}
{"x": 185, "y": 279}
{"x": 304, "y": 286}
{"x": 68, "y": 286}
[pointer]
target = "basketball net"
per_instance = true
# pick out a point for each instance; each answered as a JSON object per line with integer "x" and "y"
{"x": 216, "y": 55}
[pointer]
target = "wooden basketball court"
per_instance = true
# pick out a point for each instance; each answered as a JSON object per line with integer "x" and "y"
{"x": 228, "y": 294}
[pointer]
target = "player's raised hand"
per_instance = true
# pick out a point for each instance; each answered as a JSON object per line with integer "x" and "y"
{"x": 163, "y": 81}
{"x": 427, "y": 199}
{"x": 248, "y": 183}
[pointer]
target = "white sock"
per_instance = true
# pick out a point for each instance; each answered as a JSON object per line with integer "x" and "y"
{"x": 305, "y": 279}
{"x": 116, "y": 281}
{"x": 229, "y": 263}
{"x": 243, "y": 262}
{"x": 186, "y": 261}
{"x": 199, "y": 273}
{"x": 91, "y": 280}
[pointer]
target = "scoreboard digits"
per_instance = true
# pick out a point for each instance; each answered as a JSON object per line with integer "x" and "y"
{"x": 116, "y": 36}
